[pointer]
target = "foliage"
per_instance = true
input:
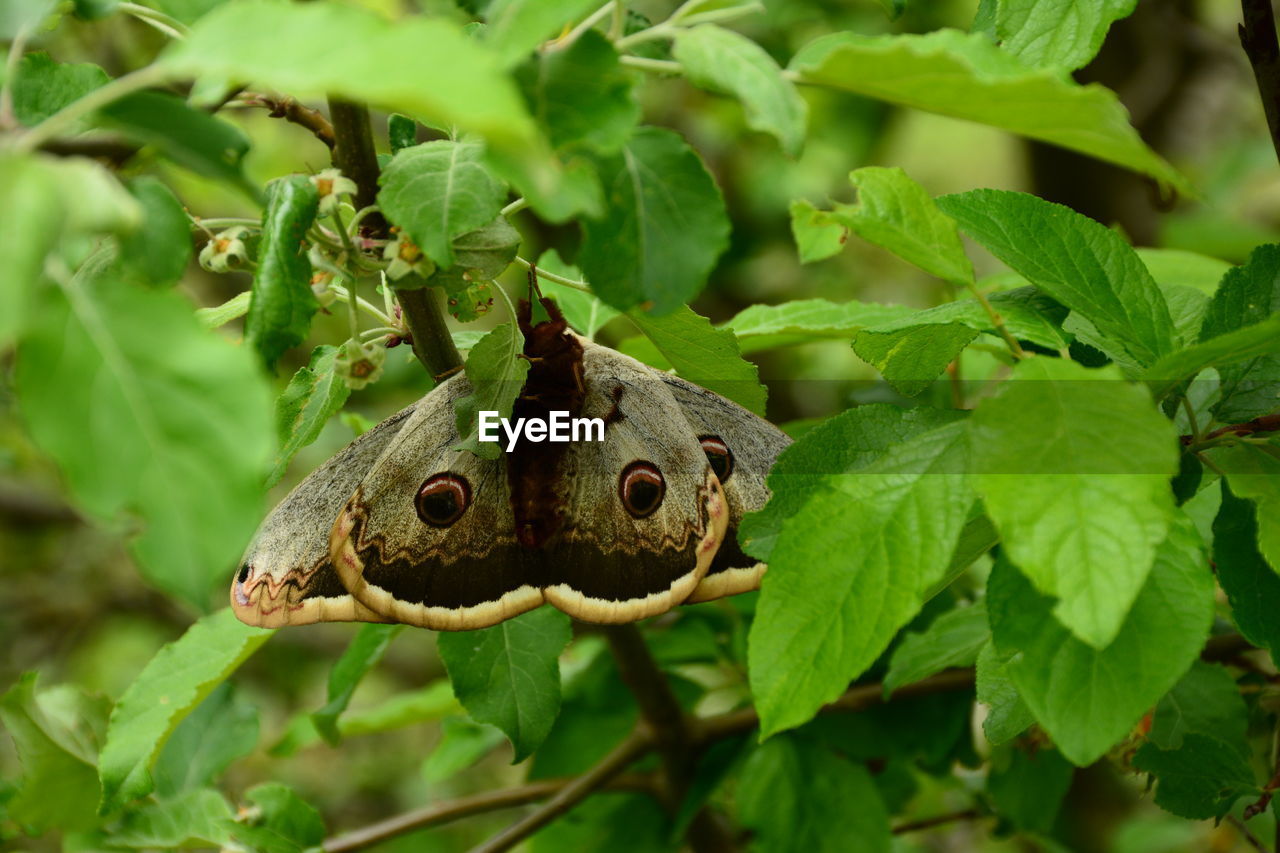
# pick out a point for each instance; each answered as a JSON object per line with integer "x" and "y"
{"x": 1035, "y": 478}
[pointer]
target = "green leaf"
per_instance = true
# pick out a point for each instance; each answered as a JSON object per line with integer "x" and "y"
{"x": 797, "y": 796}
{"x": 664, "y": 227}
{"x": 402, "y": 132}
{"x": 283, "y": 303}
{"x": 1027, "y": 788}
{"x": 462, "y": 743}
{"x": 953, "y": 639}
{"x": 158, "y": 252}
{"x": 582, "y": 95}
{"x": 516, "y": 27}
{"x": 147, "y": 413}
{"x": 1022, "y": 311}
{"x": 1252, "y": 587}
{"x": 896, "y": 213}
{"x": 1256, "y": 345}
{"x": 221, "y": 729}
{"x": 1253, "y": 472}
{"x": 704, "y": 355}
{"x": 1175, "y": 267}
{"x": 967, "y": 76}
{"x": 187, "y": 11}
{"x": 196, "y": 818}
{"x": 1206, "y": 701}
{"x": 440, "y": 190}
{"x": 509, "y": 675}
{"x": 817, "y": 233}
{"x": 910, "y": 359}
{"x": 1088, "y": 699}
{"x": 1007, "y": 715}
{"x": 362, "y": 654}
{"x": 1057, "y": 33}
{"x": 1082, "y": 264}
{"x": 173, "y": 683}
{"x": 315, "y": 394}
{"x": 893, "y": 8}
{"x": 1199, "y": 780}
{"x": 479, "y": 256}
{"x": 768, "y": 326}
{"x": 584, "y": 312}
{"x": 721, "y": 60}
{"x": 496, "y": 375}
{"x": 850, "y": 568}
{"x": 365, "y": 57}
{"x": 1247, "y": 295}
{"x": 284, "y": 822}
{"x": 846, "y": 443}
{"x": 26, "y": 239}
{"x": 59, "y": 788}
{"x": 42, "y": 87}
{"x": 1074, "y": 466}
{"x": 189, "y": 137}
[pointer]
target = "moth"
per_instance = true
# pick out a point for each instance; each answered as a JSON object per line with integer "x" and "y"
{"x": 400, "y": 526}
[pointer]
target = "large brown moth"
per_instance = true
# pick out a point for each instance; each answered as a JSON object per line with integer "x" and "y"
{"x": 401, "y": 527}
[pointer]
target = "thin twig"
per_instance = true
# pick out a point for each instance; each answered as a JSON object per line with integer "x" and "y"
{"x": 661, "y": 66}
{"x": 550, "y": 276}
{"x": 293, "y": 112}
{"x": 1246, "y": 834}
{"x": 854, "y": 699}
{"x": 166, "y": 24}
{"x": 618, "y": 759}
{"x": 998, "y": 322}
{"x": 16, "y": 49}
{"x": 463, "y": 807}
{"x": 1258, "y": 38}
{"x": 937, "y": 820}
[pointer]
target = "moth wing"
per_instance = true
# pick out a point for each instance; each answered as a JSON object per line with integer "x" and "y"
{"x": 753, "y": 445}
{"x": 414, "y": 559}
{"x": 286, "y": 577}
{"x": 607, "y": 565}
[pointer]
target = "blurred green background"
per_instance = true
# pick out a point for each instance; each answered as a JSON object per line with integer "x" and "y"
{"x": 73, "y": 607}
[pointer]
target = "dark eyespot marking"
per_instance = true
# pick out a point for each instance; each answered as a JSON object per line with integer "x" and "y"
{"x": 244, "y": 574}
{"x": 719, "y": 455}
{"x": 641, "y": 488}
{"x": 443, "y": 499}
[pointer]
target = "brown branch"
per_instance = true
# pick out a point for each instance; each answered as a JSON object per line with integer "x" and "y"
{"x": 432, "y": 342}
{"x": 451, "y": 810}
{"x": 114, "y": 151}
{"x": 635, "y": 745}
{"x": 1266, "y": 423}
{"x": 937, "y": 820}
{"x": 293, "y": 112}
{"x": 1246, "y": 834}
{"x": 670, "y": 731}
{"x": 854, "y": 699}
{"x": 355, "y": 155}
{"x": 701, "y": 732}
{"x": 1258, "y": 38}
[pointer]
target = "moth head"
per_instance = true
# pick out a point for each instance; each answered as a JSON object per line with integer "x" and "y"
{"x": 443, "y": 499}
{"x": 718, "y": 455}
{"x": 641, "y": 488}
